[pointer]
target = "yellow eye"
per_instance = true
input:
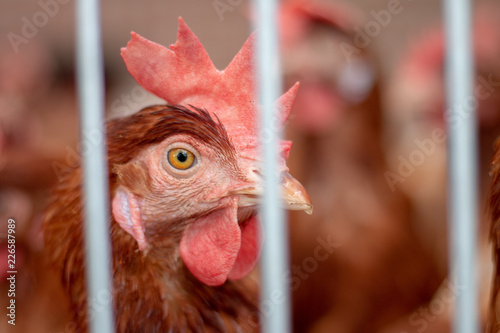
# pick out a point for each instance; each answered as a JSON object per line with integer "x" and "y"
{"x": 181, "y": 159}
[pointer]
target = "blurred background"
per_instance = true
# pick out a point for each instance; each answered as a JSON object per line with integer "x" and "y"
{"x": 369, "y": 145}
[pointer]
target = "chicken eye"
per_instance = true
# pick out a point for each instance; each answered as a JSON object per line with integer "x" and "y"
{"x": 181, "y": 159}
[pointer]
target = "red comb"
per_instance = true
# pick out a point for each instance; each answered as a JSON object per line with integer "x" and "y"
{"x": 184, "y": 74}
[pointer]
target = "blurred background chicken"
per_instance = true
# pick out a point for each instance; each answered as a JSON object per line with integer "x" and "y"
{"x": 379, "y": 271}
{"x": 416, "y": 113}
{"x": 31, "y": 132}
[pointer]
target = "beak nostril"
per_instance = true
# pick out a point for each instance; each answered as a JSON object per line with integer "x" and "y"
{"x": 254, "y": 174}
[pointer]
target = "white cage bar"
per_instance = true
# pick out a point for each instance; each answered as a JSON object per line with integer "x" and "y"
{"x": 90, "y": 80}
{"x": 275, "y": 294}
{"x": 462, "y": 163}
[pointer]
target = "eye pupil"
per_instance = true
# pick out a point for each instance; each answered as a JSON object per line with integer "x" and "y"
{"x": 182, "y": 156}
{"x": 181, "y": 159}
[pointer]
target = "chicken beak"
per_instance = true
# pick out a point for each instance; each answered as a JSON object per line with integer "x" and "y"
{"x": 294, "y": 195}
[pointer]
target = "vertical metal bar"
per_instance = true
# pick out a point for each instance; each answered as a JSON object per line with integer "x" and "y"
{"x": 275, "y": 295}
{"x": 463, "y": 191}
{"x": 95, "y": 169}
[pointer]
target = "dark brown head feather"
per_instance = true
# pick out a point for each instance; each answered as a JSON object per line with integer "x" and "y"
{"x": 127, "y": 136}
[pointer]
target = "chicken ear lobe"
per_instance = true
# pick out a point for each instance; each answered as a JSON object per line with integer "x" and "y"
{"x": 127, "y": 212}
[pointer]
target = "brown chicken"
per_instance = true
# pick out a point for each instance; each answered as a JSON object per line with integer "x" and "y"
{"x": 184, "y": 186}
{"x": 417, "y": 111}
{"x": 378, "y": 271}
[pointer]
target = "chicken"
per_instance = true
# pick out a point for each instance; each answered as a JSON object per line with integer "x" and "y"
{"x": 378, "y": 270}
{"x": 416, "y": 105}
{"x": 184, "y": 187}
{"x": 417, "y": 111}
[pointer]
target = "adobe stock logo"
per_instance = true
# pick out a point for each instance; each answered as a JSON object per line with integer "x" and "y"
{"x": 30, "y": 27}
{"x": 222, "y": 6}
{"x": 441, "y": 303}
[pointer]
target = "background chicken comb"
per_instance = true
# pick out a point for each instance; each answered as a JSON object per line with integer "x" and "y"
{"x": 184, "y": 74}
{"x": 297, "y": 17}
{"x": 426, "y": 54}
